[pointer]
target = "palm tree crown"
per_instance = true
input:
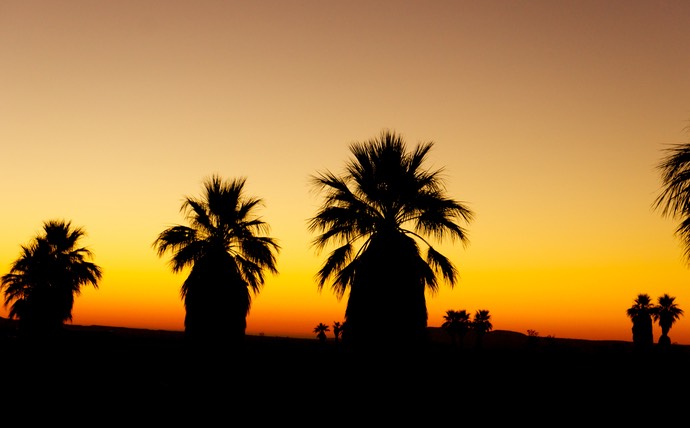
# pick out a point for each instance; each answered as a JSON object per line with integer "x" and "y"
{"x": 674, "y": 198}
{"x": 666, "y": 313}
{"x": 378, "y": 213}
{"x": 457, "y": 323}
{"x": 225, "y": 246}
{"x": 641, "y": 315}
{"x": 43, "y": 281}
{"x": 481, "y": 324}
{"x": 337, "y": 330}
{"x": 321, "y": 330}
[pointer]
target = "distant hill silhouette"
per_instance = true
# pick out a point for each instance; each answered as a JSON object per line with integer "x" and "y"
{"x": 493, "y": 341}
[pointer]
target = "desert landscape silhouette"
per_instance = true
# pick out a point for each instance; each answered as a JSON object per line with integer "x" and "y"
{"x": 378, "y": 214}
{"x": 239, "y": 169}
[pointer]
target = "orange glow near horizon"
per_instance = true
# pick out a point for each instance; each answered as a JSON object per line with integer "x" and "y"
{"x": 548, "y": 119}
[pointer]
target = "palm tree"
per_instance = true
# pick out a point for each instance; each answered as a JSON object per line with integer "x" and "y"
{"x": 227, "y": 250}
{"x": 337, "y": 329}
{"x": 641, "y": 315}
{"x": 457, "y": 323}
{"x": 666, "y": 313}
{"x": 450, "y": 325}
{"x": 481, "y": 324}
{"x": 43, "y": 281}
{"x": 674, "y": 199}
{"x": 320, "y": 331}
{"x": 378, "y": 212}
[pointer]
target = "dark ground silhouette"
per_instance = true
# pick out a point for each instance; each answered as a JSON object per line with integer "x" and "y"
{"x": 158, "y": 374}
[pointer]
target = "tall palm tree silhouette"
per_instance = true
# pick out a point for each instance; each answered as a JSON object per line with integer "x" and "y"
{"x": 481, "y": 324}
{"x": 666, "y": 313}
{"x": 44, "y": 280}
{"x": 227, "y": 249}
{"x": 457, "y": 323}
{"x": 321, "y": 330}
{"x": 641, "y": 315}
{"x": 378, "y": 212}
{"x": 674, "y": 198}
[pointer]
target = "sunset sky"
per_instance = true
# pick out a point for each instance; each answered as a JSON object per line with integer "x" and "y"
{"x": 549, "y": 118}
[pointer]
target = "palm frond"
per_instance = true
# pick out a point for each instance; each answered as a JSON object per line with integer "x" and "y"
{"x": 335, "y": 262}
{"x": 174, "y": 237}
{"x": 675, "y": 175}
{"x": 439, "y": 262}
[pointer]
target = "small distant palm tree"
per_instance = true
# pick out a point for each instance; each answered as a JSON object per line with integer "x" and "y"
{"x": 641, "y": 315}
{"x": 666, "y": 313}
{"x": 227, "y": 249}
{"x": 320, "y": 331}
{"x": 450, "y": 321}
{"x": 457, "y": 323}
{"x": 481, "y": 324}
{"x": 42, "y": 283}
{"x": 337, "y": 329}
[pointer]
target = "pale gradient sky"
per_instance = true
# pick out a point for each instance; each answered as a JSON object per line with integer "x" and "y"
{"x": 549, "y": 118}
